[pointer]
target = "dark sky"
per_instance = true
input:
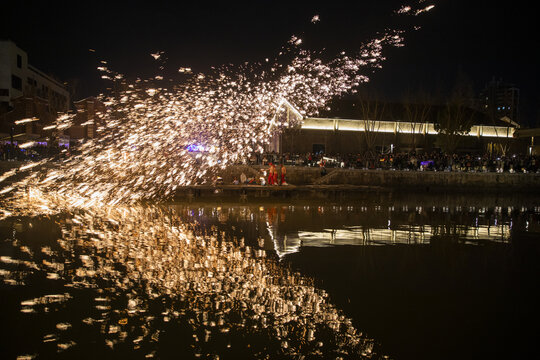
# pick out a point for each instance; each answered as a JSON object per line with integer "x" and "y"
{"x": 479, "y": 39}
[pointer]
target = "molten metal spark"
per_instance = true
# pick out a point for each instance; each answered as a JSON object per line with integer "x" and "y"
{"x": 151, "y": 140}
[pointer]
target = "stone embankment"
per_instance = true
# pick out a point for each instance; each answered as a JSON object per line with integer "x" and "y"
{"x": 399, "y": 179}
{"x": 392, "y": 179}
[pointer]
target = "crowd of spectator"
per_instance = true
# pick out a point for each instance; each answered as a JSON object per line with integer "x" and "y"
{"x": 433, "y": 161}
{"x": 37, "y": 152}
{"x": 412, "y": 161}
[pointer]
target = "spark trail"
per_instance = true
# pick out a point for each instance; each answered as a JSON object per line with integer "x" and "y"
{"x": 140, "y": 151}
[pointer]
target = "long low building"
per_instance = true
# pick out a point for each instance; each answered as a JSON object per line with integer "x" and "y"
{"x": 344, "y": 135}
{"x": 399, "y": 127}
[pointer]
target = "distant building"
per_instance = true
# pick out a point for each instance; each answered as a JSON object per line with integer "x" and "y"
{"x": 87, "y": 120}
{"x": 343, "y": 130}
{"x": 499, "y": 100}
{"x": 26, "y": 93}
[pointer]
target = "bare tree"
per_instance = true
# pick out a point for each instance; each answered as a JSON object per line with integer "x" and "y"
{"x": 417, "y": 109}
{"x": 372, "y": 111}
{"x": 503, "y": 130}
{"x": 456, "y": 118}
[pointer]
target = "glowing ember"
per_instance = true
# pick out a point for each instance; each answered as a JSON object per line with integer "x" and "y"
{"x": 152, "y": 139}
{"x": 141, "y": 147}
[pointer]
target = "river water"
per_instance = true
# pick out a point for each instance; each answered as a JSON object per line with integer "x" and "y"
{"x": 402, "y": 276}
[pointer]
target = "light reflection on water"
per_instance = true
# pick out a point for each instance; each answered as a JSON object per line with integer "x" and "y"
{"x": 141, "y": 282}
{"x": 287, "y": 228}
{"x": 430, "y": 278}
{"x": 205, "y": 280}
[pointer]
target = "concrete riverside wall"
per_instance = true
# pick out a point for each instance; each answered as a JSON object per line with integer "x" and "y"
{"x": 295, "y": 175}
{"x": 407, "y": 179}
{"x": 436, "y": 179}
{"x": 384, "y": 178}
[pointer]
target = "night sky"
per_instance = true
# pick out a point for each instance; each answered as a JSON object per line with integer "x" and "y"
{"x": 481, "y": 41}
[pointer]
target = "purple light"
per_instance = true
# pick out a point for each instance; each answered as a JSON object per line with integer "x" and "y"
{"x": 195, "y": 148}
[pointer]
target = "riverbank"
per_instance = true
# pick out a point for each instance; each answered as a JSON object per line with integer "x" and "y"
{"x": 308, "y": 182}
{"x": 399, "y": 179}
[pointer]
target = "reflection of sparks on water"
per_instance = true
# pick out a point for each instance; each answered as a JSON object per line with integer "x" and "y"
{"x": 141, "y": 152}
{"x": 147, "y": 252}
{"x": 283, "y": 244}
{"x": 141, "y": 147}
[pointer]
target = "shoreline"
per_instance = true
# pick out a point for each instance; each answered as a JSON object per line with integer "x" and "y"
{"x": 308, "y": 181}
{"x": 398, "y": 179}
{"x": 337, "y": 193}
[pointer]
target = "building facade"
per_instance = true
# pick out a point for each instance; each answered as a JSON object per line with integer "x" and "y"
{"x": 390, "y": 133}
{"x": 18, "y": 78}
{"x": 500, "y": 100}
{"x": 87, "y": 120}
{"x": 343, "y": 136}
{"x": 27, "y": 93}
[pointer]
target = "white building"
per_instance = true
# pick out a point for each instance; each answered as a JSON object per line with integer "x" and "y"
{"x": 18, "y": 78}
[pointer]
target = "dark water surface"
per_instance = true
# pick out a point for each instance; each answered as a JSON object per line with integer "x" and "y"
{"x": 403, "y": 276}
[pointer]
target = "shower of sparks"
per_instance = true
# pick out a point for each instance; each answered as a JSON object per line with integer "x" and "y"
{"x": 404, "y": 9}
{"x": 427, "y": 8}
{"x": 407, "y": 9}
{"x": 24, "y": 121}
{"x": 143, "y": 150}
{"x": 295, "y": 41}
{"x": 142, "y": 147}
{"x": 157, "y": 55}
{"x": 185, "y": 70}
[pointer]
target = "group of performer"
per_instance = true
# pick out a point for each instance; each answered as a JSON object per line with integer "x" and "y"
{"x": 273, "y": 175}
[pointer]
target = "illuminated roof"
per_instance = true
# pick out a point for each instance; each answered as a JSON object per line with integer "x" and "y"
{"x": 396, "y": 127}
{"x": 399, "y": 127}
